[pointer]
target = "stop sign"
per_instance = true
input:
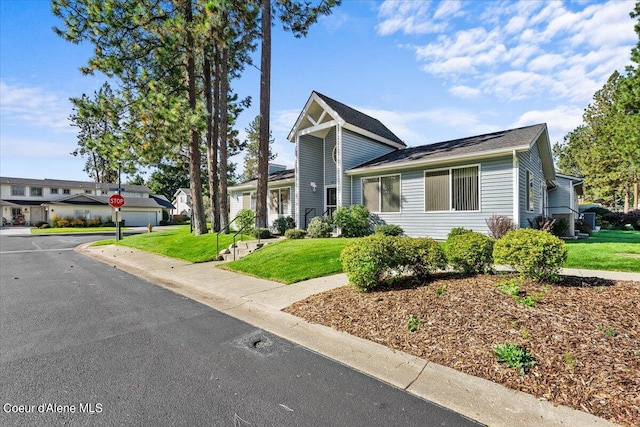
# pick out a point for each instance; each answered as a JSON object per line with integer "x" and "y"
{"x": 116, "y": 201}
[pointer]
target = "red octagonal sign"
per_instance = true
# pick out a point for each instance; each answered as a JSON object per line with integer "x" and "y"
{"x": 116, "y": 201}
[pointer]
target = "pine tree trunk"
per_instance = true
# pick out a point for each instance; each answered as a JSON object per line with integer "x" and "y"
{"x": 265, "y": 103}
{"x": 212, "y": 151}
{"x": 626, "y": 199}
{"x": 224, "y": 132}
{"x": 215, "y": 192}
{"x": 635, "y": 192}
{"x": 198, "y": 218}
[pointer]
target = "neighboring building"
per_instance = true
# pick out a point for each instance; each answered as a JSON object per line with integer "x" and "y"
{"x": 182, "y": 202}
{"x": 28, "y": 201}
{"x": 344, "y": 157}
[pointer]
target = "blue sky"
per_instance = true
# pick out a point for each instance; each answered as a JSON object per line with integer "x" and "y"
{"x": 429, "y": 70}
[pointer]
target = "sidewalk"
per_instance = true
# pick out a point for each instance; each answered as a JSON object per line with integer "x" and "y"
{"x": 259, "y": 302}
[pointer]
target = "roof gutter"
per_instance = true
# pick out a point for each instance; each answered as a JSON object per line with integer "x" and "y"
{"x": 417, "y": 164}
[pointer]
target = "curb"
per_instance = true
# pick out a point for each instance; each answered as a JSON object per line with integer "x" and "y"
{"x": 476, "y": 398}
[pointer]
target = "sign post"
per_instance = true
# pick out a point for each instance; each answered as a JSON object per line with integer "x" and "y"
{"x": 117, "y": 201}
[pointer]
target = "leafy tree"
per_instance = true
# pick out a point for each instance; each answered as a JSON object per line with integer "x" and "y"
{"x": 100, "y": 133}
{"x": 168, "y": 178}
{"x": 253, "y": 149}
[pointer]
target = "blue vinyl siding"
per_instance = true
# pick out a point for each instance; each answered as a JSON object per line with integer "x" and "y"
{"x": 310, "y": 169}
{"x": 529, "y": 160}
{"x": 356, "y": 150}
{"x": 329, "y": 165}
{"x": 496, "y": 197}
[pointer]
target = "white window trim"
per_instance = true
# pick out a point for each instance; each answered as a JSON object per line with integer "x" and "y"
{"x": 279, "y": 189}
{"x": 379, "y": 177}
{"x": 424, "y": 187}
{"x": 18, "y": 187}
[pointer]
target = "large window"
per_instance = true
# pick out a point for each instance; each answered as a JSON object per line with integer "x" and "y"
{"x": 455, "y": 189}
{"x": 35, "y": 191}
{"x": 382, "y": 193}
{"x": 17, "y": 190}
{"x": 279, "y": 201}
{"x": 530, "y": 192}
{"x": 249, "y": 200}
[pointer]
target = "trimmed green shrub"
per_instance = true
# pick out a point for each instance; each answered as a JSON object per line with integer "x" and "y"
{"x": 535, "y": 254}
{"x": 389, "y": 230}
{"x": 39, "y": 224}
{"x": 78, "y": 222}
{"x": 458, "y": 231}
{"x": 63, "y": 223}
{"x": 282, "y": 224}
{"x": 560, "y": 227}
{"x": 354, "y": 221}
{"x": 94, "y": 222}
{"x": 470, "y": 253}
{"x": 261, "y": 233}
{"x": 295, "y": 233}
{"x": 421, "y": 256}
{"x": 245, "y": 220}
{"x": 367, "y": 262}
{"x": 320, "y": 227}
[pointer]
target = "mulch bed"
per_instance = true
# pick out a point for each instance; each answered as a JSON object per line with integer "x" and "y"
{"x": 584, "y": 334}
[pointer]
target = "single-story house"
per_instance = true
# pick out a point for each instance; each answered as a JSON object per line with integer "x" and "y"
{"x": 28, "y": 201}
{"x": 345, "y": 157}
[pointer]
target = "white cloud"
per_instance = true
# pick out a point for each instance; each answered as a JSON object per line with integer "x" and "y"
{"x": 409, "y": 17}
{"x": 523, "y": 50}
{"x": 26, "y": 106}
{"x": 560, "y": 120}
{"x": 447, "y": 9}
{"x": 465, "y": 91}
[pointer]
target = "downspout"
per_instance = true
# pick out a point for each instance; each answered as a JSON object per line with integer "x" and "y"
{"x": 297, "y": 182}
{"x": 338, "y": 166}
{"x": 516, "y": 190}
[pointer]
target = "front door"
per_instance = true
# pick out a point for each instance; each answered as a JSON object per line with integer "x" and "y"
{"x": 331, "y": 201}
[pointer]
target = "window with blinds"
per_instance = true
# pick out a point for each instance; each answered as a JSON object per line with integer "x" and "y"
{"x": 455, "y": 189}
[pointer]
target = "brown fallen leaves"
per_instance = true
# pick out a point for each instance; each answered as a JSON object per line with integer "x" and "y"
{"x": 584, "y": 333}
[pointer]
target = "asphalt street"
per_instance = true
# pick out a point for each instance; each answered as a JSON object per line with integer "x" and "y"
{"x": 83, "y": 343}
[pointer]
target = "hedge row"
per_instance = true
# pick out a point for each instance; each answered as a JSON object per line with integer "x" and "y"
{"x": 370, "y": 261}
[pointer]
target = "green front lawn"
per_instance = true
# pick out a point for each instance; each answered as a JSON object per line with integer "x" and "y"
{"x": 290, "y": 261}
{"x": 179, "y": 243}
{"x": 613, "y": 250}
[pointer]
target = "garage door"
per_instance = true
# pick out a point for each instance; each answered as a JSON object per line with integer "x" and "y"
{"x": 139, "y": 218}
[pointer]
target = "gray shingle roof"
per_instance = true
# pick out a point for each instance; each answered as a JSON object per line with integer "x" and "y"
{"x": 360, "y": 119}
{"x": 275, "y": 176}
{"x": 60, "y": 183}
{"x": 496, "y": 141}
{"x": 86, "y": 199}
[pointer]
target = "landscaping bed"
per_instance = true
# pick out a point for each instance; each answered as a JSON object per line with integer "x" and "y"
{"x": 583, "y": 333}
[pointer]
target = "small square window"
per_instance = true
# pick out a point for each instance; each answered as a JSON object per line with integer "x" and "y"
{"x": 54, "y": 191}
{"x": 66, "y": 191}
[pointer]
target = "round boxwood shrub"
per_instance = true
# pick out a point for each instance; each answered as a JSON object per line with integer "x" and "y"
{"x": 535, "y": 254}
{"x": 470, "y": 253}
{"x": 282, "y": 224}
{"x": 389, "y": 230}
{"x": 354, "y": 221}
{"x": 420, "y": 256}
{"x": 367, "y": 262}
{"x": 295, "y": 233}
{"x": 261, "y": 233}
{"x": 319, "y": 227}
{"x": 458, "y": 231}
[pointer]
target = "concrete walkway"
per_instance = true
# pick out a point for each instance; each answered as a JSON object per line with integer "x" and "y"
{"x": 259, "y": 302}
